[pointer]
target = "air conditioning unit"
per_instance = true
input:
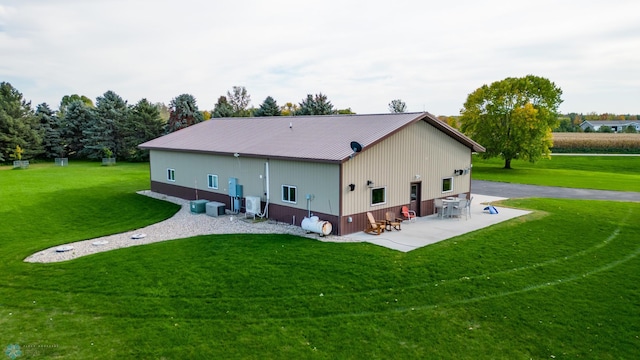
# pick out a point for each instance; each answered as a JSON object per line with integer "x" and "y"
{"x": 252, "y": 204}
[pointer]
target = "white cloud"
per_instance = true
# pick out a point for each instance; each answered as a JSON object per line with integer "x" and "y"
{"x": 362, "y": 54}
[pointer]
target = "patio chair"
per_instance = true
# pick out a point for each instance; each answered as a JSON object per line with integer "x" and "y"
{"x": 439, "y": 207}
{"x": 408, "y": 214}
{"x": 460, "y": 209}
{"x": 374, "y": 227}
{"x": 392, "y": 222}
{"x": 468, "y": 207}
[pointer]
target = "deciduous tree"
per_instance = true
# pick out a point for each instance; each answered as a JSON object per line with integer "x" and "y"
{"x": 346, "y": 111}
{"x": 450, "y": 120}
{"x": 239, "y": 100}
{"x": 513, "y": 118}
{"x": 289, "y": 109}
{"x": 165, "y": 113}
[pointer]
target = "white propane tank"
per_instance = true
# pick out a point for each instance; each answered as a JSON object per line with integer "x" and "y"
{"x": 314, "y": 224}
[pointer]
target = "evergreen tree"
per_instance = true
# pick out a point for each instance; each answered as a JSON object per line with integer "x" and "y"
{"x": 268, "y": 108}
{"x": 104, "y": 131}
{"x": 18, "y": 124}
{"x": 397, "y": 106}
{"x": 49, "y": 131}
{"x": 68, "y": 99}
{"x": 316, "y": 105}
{"x": 144, "y": 123}
{"x": 76, "y": 117}
{"x": 183, "y": 113}
{"x": 222, "y": 108}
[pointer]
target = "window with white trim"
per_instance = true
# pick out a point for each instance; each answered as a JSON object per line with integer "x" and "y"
{"x": 378, "y": 196}
{"x": 289, "y": 193}
{"x": 171, "y": 174}
{"x": 212, "y": 181}
{"x": 447, "y": 184}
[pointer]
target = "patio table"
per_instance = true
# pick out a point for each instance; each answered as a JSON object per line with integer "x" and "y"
{"x": 450, "y": 202}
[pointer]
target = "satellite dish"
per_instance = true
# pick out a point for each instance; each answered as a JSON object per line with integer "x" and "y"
{"x": 356, "y": 147}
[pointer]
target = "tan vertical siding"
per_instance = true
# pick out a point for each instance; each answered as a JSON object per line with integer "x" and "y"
{"x": 394, "y": 163}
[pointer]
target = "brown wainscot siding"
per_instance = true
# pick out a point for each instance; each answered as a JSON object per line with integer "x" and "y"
{"x": 360, "y": 221}
{"x": 189, "y": 193}
{"x": 283, "y": 214}
{"x": 286, "y": 215}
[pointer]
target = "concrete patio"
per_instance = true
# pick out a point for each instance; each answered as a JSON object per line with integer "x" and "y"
{"x": 431, "y": 229}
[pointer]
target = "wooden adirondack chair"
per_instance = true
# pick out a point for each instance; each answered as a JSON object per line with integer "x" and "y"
{"x": 374, "y": 227}
{"x": 392, "y": 221}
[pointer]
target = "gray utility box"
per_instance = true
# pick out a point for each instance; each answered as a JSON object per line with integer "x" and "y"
{"x": 235, "y": 189}
{"x": 198, "y": 206}
{"x": 215, "y": 208}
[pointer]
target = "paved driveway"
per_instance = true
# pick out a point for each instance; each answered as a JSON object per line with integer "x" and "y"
{"x": 509, "y": 190}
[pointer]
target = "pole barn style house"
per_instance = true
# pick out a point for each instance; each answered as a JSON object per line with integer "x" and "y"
{"x": 335, "y": 167}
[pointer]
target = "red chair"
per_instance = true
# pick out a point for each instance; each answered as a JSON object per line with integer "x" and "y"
{"x": 408, "y": 214}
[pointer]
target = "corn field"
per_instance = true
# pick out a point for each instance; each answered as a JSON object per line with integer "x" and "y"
{"x": 596, "y": 142}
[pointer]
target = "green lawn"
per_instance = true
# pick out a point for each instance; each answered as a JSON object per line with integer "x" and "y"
{"x": 620, "y": 173}
{"x": 559, "y": 283}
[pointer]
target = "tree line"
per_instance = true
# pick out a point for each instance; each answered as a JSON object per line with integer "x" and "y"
{"x": 78, "y": 129}
{"x": 111, "y": 127}
{"x": 571, "y": 122}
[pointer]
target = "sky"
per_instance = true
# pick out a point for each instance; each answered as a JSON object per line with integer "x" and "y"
{"x": 360, "y": 54}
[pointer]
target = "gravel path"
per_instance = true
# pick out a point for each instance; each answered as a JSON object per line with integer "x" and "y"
{"x": 182, "y": 225}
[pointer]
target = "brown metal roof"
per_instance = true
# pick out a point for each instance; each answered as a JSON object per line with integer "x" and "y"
{"x": 314, "y": 138}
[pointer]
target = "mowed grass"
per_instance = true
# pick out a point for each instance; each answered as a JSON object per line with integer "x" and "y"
{"x": 621, "y": 173}
{"x": 559, "y": 283}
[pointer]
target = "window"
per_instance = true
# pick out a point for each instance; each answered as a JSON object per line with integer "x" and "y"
{"x": 378, "y": 196}
{"x": 171, "y": 174}
{"x": 289, "y": 193}
{"x": 447, "y": 184}
{"x": 212, "y": 181}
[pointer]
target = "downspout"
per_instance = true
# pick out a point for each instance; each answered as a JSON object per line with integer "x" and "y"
{"x": 266, "y": 207}
{"x": 265, "y": 213}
